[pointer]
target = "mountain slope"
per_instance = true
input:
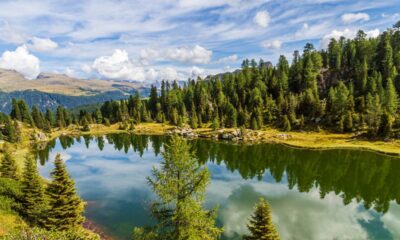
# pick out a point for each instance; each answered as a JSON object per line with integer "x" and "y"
{"x": 51, "y": 90}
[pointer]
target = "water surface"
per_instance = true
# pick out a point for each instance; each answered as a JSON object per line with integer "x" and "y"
{"x": 331, "y": 194}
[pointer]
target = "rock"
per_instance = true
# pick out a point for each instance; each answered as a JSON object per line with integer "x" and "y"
{"x": 236, "y": 132}
{"x": 39, "y": 136}
{"x": 284, "y": 136}
{"x": 226, "y": 136}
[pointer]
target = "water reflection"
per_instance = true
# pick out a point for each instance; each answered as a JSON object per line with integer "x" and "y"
{"x": 313, "y": 194}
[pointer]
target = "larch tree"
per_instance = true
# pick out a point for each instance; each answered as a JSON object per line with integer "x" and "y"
{"x": 260, "y": 225}
{"x": 65, "y": 206}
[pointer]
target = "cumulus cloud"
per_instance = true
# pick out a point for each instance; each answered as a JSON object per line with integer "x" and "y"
{"x": 42, "y": 44}
{"x": 148, "y": 54}
{"x": 275, "y": 44}
{"x": 86, "y": 68}
{"x": 231, "y": 58}
{"x": 197, "y": 54}
{"x": 354, "y": 17}
{"x": 347, "y": 33}
{"x": 21, "y": 61}
{"x": 118, "y": 66}
{"x": 197, "y": 72}
{"x": 262, "y": 19}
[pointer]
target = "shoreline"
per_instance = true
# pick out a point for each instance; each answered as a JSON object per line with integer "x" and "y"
{"x": 322, "y": 140}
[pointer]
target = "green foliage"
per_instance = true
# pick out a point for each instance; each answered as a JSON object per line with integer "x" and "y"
{"x": 10, "y": 195}
{"x": 386, "y": 123}
{"x": 33, "y": 201}
{"x": 261, "y": 225}
{"x": 286, "y": 126}
{"x": 86, "y": 126}
{"x": 65, "y": 206}
{"x": 8, "y": 167}
{"x": 38, "y": 233}
{"x": 180, "y": 184}
{"x": 9, "y": 131}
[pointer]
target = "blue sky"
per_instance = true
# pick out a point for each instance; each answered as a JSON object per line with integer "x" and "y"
{"x": 152, "y": 40}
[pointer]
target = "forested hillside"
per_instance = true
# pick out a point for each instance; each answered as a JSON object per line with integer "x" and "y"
{"x": 352, "y": 85}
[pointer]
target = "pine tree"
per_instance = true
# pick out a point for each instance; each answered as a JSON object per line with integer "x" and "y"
{"x": 286, "y": 126}
{"x": 390, "y": 98}
{"x": 193, "y": 120}
{"x": 86, "y": 126}
{"x": 50, "y": 117}
{"x": 215, "y": 123}
{"x": 15, "y": 111}
{"x": 8, "y": 167}
{"x": 261, "y": 225}
{"x": 9, "y": 130}
{"x": 65, "y": 206}
{"x": 180, "y": 184}
{"x": 33, "y": 200}
{"x": 385, "y": 127}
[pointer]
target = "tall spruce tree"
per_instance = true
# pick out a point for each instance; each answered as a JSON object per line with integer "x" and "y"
{"x": 260, "y": 225}
{"x": 65, "y": 206}
{"x": 180, "y": 184}
{"x": 8, "y": 167}
{"x": 33, "y": 200}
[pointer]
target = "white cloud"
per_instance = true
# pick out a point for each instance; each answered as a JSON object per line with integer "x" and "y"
{"x": 198, "y": 54}
{"x": 373, "y": 33}
{"x": 231, "y": 58}
{"x": 262, "y": 19}
{"x": 197, "y": 72}
{"x": 42, "y": 44}
{"x": 148, "y": 54}
{"x": 11, "y": 35}
{"x": 118, "y": 66}
{"x": 275, "y": 44}
{"x": 347, "y": 33}
{"x": 86, "y": 68}
{"x": 354, "y": 17}
{"x": 21, "y": 61}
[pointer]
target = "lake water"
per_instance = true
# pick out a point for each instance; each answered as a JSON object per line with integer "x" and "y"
{"x": 332, "y": 194}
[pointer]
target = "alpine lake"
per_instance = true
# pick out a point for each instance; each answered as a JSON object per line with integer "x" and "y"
{"x": 324, "y": 194}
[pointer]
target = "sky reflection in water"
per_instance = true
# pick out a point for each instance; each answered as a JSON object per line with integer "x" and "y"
{"x": 114, "y": 185}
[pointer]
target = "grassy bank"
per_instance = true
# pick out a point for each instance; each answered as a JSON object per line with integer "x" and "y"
{"x": 309, "y": 140}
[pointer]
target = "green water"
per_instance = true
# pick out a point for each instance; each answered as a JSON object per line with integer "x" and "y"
{"x": 332, "y": 194}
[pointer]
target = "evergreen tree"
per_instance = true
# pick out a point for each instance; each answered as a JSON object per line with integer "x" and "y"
{"x": 286, "y": 126}
{"x": 180, "y": 184}
{"x": 261, "y": 225}
{"x": 386, "y": 123}
{"x": 390, "y": 98}
{"x": 50, "y": 117}
{"x": 85, "y": 124}
{"x": 9, "y": 130}
{"x": 25, "y": 112}
{"x": 193, "y": 120}
{"x": 8, "y": 167}
{"x": 33, "y": 200}
{"x": 65, "y": 206}
{"x": 15, "y": 111}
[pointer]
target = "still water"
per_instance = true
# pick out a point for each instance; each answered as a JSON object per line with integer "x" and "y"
{"x": 332, "y": 194}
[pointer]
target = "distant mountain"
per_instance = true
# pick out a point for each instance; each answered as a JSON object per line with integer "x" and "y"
{"x": 51, "y": 90}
